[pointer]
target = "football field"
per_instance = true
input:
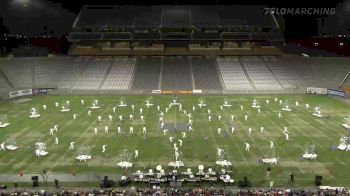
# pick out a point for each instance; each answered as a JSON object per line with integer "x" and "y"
{"x": 155, "y": 149}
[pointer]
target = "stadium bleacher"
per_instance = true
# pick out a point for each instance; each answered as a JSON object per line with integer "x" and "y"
{"x": 203, "y": 68}
{"x": 147, "y": 73}
{"x": 120, "y": 75}
{"x": 176, "y": 74}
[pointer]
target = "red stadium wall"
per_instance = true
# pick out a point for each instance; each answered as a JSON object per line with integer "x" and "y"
{"x": 329, "y": 44}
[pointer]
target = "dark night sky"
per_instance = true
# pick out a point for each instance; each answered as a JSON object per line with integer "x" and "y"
{"x": 58, "y": 15}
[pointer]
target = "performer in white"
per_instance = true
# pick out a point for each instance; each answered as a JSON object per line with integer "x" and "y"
{"x": 110, "y": 117}
{"x": 281, "y": 102}
{"x": 222, "y": 108}
{"x": 219, "y": 117}
{"x": 246, "y": 117}
{"x": 162, "y": 125}
{"x": 44, "y": 107}
{"x": 250, "y": 131}
{"x": 287, "y": 136}
{"x": 261, "y": 129}
{"x": 171, "y": 139}
{"x": 161, "y": 119}
{"x": 165, "y": 131}
{"x": 131, "y": 130}
{"x": 68, "y": 102}
{"x": 158, "y": 108}
{"x": 209, "y": 118}
{"x": 180, "y": 142}
{"x": 267, "y": 101}
{"x": 190, "y": 121}
{"x": 180, "y": 107}
{"x": 232, "y": 117}
{"x": 89, "y": 113}
{"x": 71, "y": 147}
{"x": 279, "y": 115}
{"x": 219, "y": 131}
{"x": 183, "y": 134}
{"x": 272, "y": 145}
{"x": 51, "y": 131}
{"x": 209, "y": 111}
{"x": 56, "y": 140}
{"x": 120, "y": 117}
{"x": 114, "y": 108}
{"x": 133, "y": 107}
{"x": 162, "y": 114}
{"x": 247, "y": 146}
{"x": 285, "y": 130}
{"x": 118, "y": 129}
{"x": 2, "y": 146}
{"x": 99, "y": 118}
{"x": 141, "y": 110}
{"x": 232, "y": 130}
{"x": 131, "y": 117}
{"x": 166, "y": 110}
{"x": 259, "y": 111}
{"x": 55, "y": 127}
{"x": 56, "y": 104}
{"x": 276, "y": 99}
{"x": 106, "y": 129}
{"x": 307, "y": 106}
{"x": 142, "y": 118}
{"x": 190, "y": 128}
{"x": 176, "y": 155}
{"x": 241, "y": 107}
{"x": 296, "y": 104}
{"x": 75, "y": 116}
{"x": 95, "y": 130}
{"x": 136, "y": 153}
{"x": 193, "y": 108}
{"x": 82, "y": 102}
{"x": 104, "y": 148}
{"x": 144, "y": 131}
{"x": 220, "y": 151}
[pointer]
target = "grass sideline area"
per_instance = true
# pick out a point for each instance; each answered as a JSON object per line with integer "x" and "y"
{"x": 155, "y": 149}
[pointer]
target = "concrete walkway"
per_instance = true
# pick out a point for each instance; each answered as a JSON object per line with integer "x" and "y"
{"x": 63, "y": 177}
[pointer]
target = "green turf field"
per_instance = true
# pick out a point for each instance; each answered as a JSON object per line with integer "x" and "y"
{"x": 155, "y": 149}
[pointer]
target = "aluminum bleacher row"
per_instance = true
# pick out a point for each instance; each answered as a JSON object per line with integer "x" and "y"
{"x": 182, "y": 73}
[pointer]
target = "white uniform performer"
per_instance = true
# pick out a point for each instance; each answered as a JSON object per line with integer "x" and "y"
{"x": 89, "y": 113}
{"x": 296, "y": 104}
{"x": 106, "y": 129}
{"x": 190, "y": 128}
{"x": 158, "y": 108}
{"x": 165, "y": 131}
{"x": 51, "y": 131}
{"x": 209, "y": 118}
{"x": 183, "y": 134}
{"x": 261, "y": 129}
{"x": 75, "y": 116}
{"x": 221, "y": 107}
{"x": 2, "y": 146}
{"x": 95, "y": 130}
{"x": 193, "y": 108}
{"x": 259, "y": 111}
{"x": 133, "y": 107}
{"x": 208, "y": 111}
{"x": 250, "y": 131}
{"x": 276, "y": 99}
{"x": 171, "y": 139}
{"x": 120, "y": 117}
{"x": 281, "y": 102}
{"x": 232, "y": 117}
{"x": 114, "y": 108}
{"x": 287, "y": 136}
{"x": 82, "y": 102}
{"x": 118, "y": 129}
{"x": 180, "y": 107}
{"x": 131, "y": 130}
{"x": 241, "y": 107}
{"x": 55, "y": 127}
{"x": 220, "y": 151}
{"x": 219, "y": 117}
{"x": 279, "y": 115}
{"x": 104, "y": 148}
{"x": 99, "y": 118}
{"x": 44, "y": 107}
{"x": 232, "y": 130}
{"x": 246, "y": 117}
{"x": 68, "y": 102}
{"x": 247, "y": 146}
{"x": 142, "y": 118}
{"x": 56, "y": 140}
{"x": 267, "y": 101}
{"x": 219, "y": 131}
{"x": 307, "y": 106}
{"x": 272, "y": 145}
{"x": 110, "y": 118}
{"x": 141, "y": 110}
{"x": 56, "y": 104}
{"x": 162, "y": 125}
{"x": 71, "y": 147}
{"x": 144, "y": 131}
{"x": 180, "y": 142}
{"x": 136, "y": 153}
{"x": 131, "y": 117}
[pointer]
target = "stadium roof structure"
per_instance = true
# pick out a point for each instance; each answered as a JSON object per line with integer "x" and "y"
{"x": 117, "y": 23}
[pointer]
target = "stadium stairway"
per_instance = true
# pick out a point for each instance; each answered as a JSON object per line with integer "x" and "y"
{"x": 246, "y": 73}
{"x": 106, "y": 75}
